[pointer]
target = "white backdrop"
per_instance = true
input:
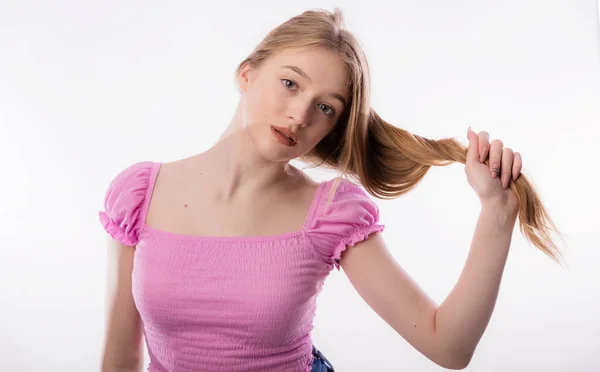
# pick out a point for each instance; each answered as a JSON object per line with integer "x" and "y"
{"x": 87, "y": 88}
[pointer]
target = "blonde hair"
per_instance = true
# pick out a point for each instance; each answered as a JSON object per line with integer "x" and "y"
{"x": 386, "y": 160}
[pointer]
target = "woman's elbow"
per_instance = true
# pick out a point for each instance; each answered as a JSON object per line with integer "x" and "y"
{"x": 131, "y": 365}
{"x": 456, "y": 362}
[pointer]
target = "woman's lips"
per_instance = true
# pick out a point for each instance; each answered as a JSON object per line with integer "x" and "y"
{"x": 282, "y": 138}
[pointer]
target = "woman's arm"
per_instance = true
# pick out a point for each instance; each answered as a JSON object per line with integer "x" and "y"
{"x": 462, "y": 318}
{"x": 123, "y": 345}
{"x": 448, "y": 334}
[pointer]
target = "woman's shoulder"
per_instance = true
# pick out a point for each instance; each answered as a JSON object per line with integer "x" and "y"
{"x": 341, "y": 199}
{"x": 346, "y": 214}
{"x": 134, "y": 178}
{"x": 124, "y": 200}
{"x": 340, "y": 189}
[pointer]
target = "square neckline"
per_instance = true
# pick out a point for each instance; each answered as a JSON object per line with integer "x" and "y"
{"x": 156, "y": 166}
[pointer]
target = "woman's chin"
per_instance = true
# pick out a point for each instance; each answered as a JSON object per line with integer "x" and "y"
{"x": 275, "y": 153}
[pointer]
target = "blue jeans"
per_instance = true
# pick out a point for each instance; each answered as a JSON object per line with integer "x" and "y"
{"x": 320, "y": 363}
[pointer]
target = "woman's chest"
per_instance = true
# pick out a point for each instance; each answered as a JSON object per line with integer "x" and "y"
{"x": 266, "y": 289}
{"x": 179, "y": 207}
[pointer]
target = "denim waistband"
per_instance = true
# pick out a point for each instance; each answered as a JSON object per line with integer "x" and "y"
{"x": 318, "y": 355}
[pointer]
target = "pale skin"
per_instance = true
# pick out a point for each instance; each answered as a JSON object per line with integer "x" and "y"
{"x": 248, "y": 167}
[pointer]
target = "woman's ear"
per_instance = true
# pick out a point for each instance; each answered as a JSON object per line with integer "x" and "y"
{"x": 244, "y": 77}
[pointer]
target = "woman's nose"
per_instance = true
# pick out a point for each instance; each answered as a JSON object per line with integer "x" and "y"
{"x": 299, "y": 113}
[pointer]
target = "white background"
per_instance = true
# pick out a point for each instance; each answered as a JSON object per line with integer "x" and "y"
{"x": 88, "y": 88}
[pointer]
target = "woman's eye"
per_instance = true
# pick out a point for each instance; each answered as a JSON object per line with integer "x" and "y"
{"x": 288, "y": 83}
{"x": 324, "y": 108}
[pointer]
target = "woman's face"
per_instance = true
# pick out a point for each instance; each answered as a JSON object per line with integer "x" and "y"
{"x": 303, "y": 91}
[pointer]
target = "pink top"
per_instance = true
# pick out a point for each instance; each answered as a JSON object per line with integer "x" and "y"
{"x": 211, "y": 303}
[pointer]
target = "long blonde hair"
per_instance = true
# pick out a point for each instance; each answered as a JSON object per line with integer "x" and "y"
{"x": 386, "y": 160}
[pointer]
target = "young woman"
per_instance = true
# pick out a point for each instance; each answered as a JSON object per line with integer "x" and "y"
{"x": 219, "y": 257}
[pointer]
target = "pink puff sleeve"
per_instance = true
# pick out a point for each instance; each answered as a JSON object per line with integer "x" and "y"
{"x": 124, "y": 201}
{"x": 351, "y": 216}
